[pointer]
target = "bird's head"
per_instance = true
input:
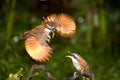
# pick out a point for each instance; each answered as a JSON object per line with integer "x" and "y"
{"x": 50, "y": 28}
{"x": 73, "y": 55}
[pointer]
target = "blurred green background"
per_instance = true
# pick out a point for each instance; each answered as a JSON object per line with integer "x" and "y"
{"x": 97, "y": 36}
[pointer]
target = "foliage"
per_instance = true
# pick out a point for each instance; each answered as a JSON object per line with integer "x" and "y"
{"x": 97, "y": 37}
{"x": 16, "y": 76}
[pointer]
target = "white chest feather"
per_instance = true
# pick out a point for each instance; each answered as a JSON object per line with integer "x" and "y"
{"x": 47, "y": 31}
{"x": 76, "y": 64}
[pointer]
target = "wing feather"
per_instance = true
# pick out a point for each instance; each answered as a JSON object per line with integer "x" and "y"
{"x": 66, "y": 26}
{"x": 36, "y": 45}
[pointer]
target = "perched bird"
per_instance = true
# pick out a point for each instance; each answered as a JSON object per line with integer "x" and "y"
{"x": 36, "y": 39}
{"x": 79, "y": 63}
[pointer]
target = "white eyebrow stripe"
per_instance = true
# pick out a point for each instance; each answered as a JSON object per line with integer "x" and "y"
{"x": 49, "y": 27}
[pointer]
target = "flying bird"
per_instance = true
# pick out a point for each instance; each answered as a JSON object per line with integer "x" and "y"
{"x": 36, "y": 40}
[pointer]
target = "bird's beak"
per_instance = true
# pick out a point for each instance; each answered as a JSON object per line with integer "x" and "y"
{"x": 53, "y": 33}
{"x": 70, "y": 56}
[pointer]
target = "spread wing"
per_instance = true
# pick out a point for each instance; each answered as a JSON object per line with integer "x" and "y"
{"x": 66, "y": 26}
{"x": 36, "y": 45}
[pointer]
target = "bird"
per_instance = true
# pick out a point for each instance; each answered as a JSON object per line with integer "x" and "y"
{"x": 37, "y": 39}
{"x": 79, "y": 63}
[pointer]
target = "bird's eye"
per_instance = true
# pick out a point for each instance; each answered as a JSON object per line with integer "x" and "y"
{"x": 74, "y": 56}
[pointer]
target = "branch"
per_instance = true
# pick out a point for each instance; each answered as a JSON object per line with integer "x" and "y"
{"x": 41, "y": 68}
{"x": 84, "y": 74}
{"x": 76, "y": 74}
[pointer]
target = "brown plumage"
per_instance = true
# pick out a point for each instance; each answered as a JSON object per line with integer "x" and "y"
{"x": 79, "y": 62}
{"x": 65, "y": 26}
{"x": 37, "y": 38}
{"x": 83, "y": 64}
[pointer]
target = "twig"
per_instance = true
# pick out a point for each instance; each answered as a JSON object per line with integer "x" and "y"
{"x": 41, "y": 68}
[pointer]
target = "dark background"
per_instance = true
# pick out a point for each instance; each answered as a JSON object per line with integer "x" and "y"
{"x": 97, "y": 36}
